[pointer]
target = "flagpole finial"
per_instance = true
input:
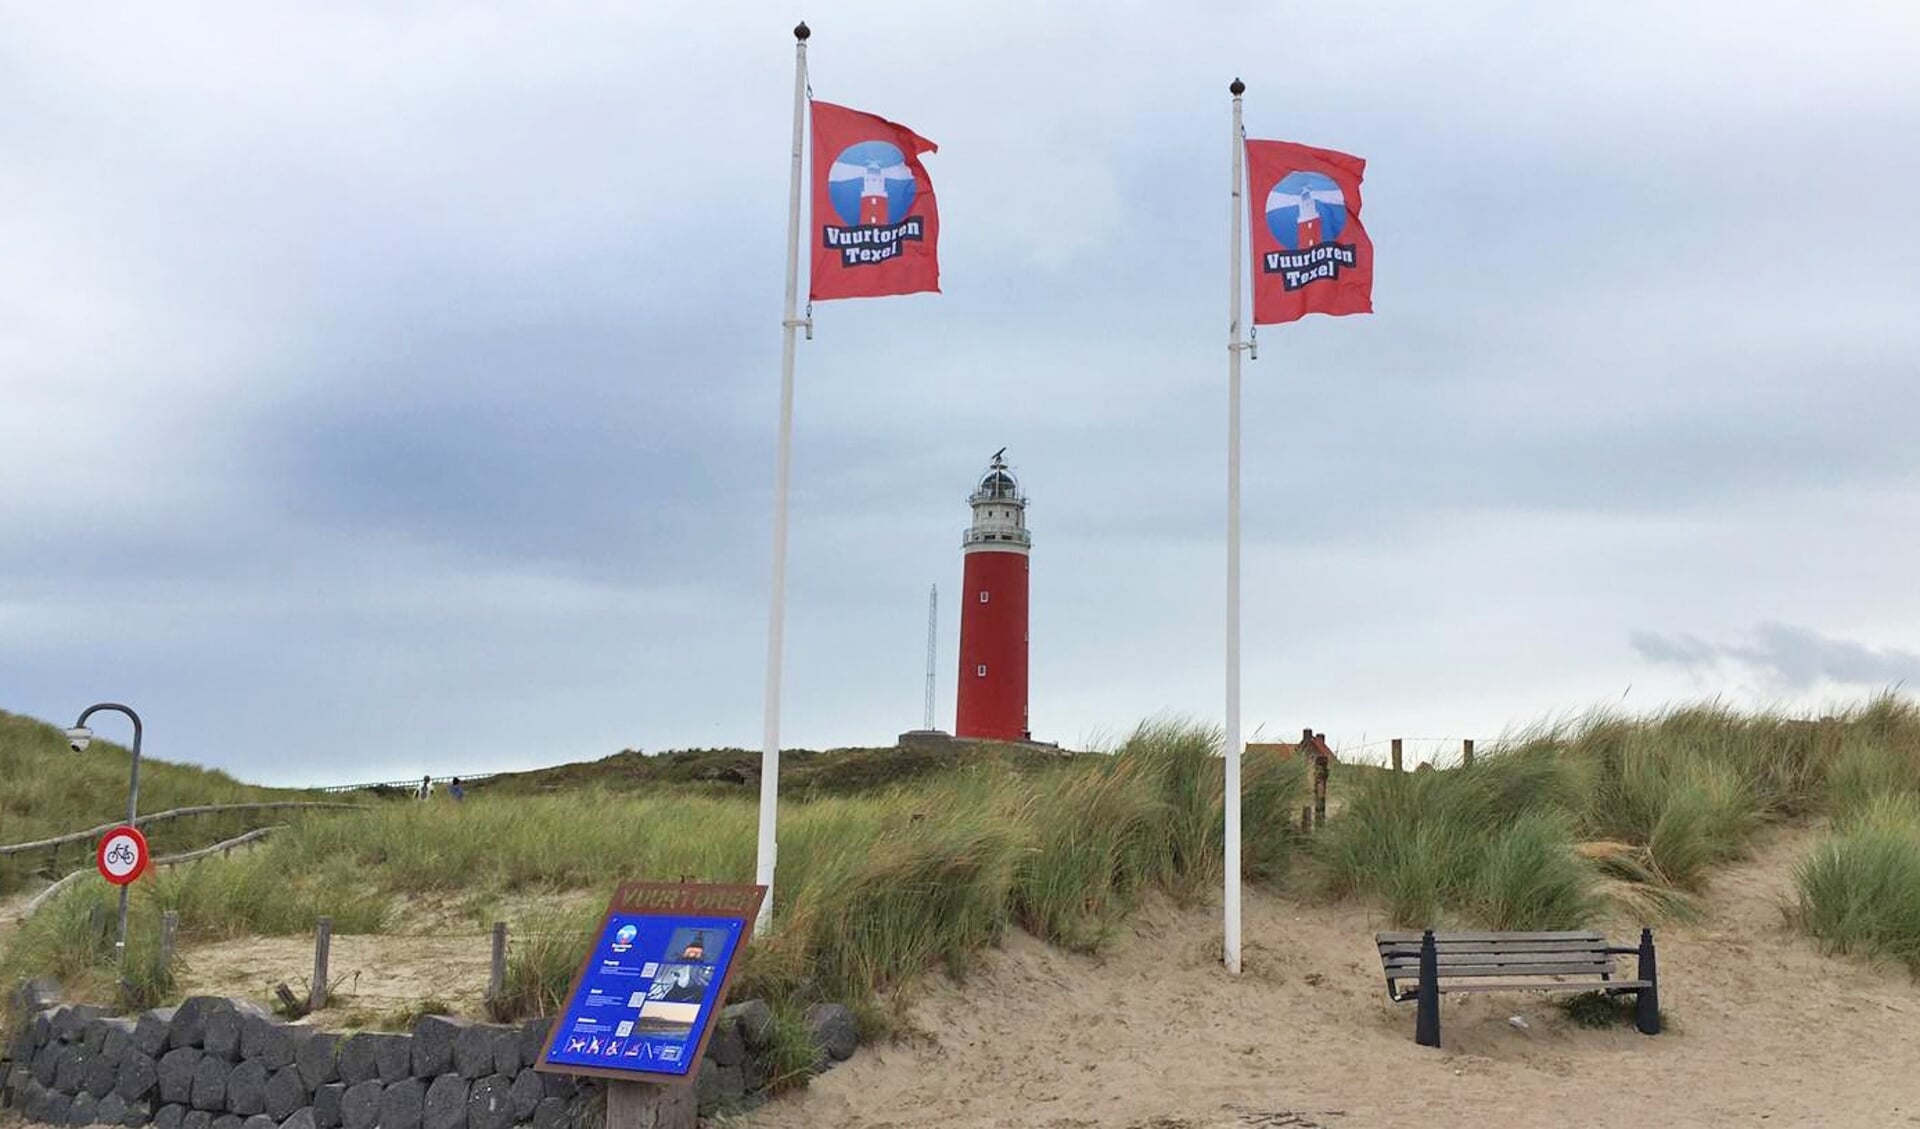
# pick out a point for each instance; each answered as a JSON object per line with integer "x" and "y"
{"x": 1238, "y": 88}
{"x": 802, "y": 32}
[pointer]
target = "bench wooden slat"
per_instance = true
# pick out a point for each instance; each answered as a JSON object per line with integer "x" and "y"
{"x": 1499, "y": 954}
{"x": 1387, "y": 951}
{"x": 1459, "y": 967}
{"x": 1456, "y": 971}
{"x": 1442, "y": 938}
{"x": 1546, "y": 986}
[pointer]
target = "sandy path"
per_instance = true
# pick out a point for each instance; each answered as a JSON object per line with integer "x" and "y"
{"x": 1155, "y": 1035}
{"x": 373, "y": 975}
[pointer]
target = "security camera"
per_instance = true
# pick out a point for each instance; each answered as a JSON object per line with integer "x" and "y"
{"x": 79, "y": 737}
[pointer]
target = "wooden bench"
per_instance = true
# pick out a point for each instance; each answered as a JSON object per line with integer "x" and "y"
{"x": 1439, "y": 964}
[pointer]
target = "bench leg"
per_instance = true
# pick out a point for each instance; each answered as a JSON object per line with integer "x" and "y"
{"x": 1426, "y": 1024}
{"x": 1646, "y": 1011}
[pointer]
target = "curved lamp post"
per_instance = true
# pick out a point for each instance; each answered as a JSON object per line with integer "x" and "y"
{"x": 78, "y": 738}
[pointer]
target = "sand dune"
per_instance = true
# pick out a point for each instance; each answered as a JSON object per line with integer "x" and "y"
{"x": 1155, "y": 1035}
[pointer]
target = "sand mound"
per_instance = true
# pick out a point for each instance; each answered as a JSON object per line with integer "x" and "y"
{"x": 1155, "y": 1035}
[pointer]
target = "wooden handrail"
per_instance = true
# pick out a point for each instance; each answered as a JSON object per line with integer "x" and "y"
{"x": 47, "y": 894}
{"x": 173, "y": 813}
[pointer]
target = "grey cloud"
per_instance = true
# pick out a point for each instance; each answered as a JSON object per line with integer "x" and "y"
{"x": 1794, "y": 658}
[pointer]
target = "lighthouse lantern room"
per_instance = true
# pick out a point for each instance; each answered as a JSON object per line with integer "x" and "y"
{"x": 992, "y": 699}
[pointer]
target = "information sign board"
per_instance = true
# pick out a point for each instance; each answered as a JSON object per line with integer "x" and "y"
{"x": 642, "y": 1004}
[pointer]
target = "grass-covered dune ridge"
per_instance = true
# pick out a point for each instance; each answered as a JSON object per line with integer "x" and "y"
{"x": 885, "y": 878}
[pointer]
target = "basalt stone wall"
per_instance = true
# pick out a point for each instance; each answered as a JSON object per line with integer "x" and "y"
{"x": 215, "y": 1063}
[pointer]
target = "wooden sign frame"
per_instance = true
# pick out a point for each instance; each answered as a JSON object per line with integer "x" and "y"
{"x": 661, "y": 899}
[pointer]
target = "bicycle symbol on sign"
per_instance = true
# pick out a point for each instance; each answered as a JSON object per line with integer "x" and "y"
{"x": 120, "y": 854}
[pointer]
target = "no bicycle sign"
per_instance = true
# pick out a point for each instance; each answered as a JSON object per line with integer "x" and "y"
{"x": 642, "y": 1004}
{"x": 122, "y": 856}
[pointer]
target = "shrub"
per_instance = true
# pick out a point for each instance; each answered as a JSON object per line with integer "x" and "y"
{"x": 1859, "y": 892}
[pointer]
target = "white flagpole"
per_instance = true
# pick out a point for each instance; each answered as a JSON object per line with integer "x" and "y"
{"x": 777, "y": 615}
{"x": 1235, "y": 346}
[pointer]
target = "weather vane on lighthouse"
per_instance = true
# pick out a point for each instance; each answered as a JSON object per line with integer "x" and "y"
{"x": 992, "y": 699}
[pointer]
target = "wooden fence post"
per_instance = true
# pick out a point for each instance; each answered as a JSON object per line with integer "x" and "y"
{"x": 169, "y": 923}
{"x": 1466, "y": 753}
{"x": 1320, "y": 767}
{"x": 1306, "y": 819}
{"x": 1396, "y": 755}
{"x": 322, "y": 942}
{"x": 497, "y": 980}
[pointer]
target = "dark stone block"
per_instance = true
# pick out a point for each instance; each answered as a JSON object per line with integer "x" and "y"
{"x": 301, "y": 1118}
{"x": 358, "y": 1061}
{"x": 725, "y": 1046}
{"x": 247, "y": 1089}
{"x": 490, "y": 1103}
{"x": 394, "y": 1054}
{"x": 506, "y": 1051}
{"x": 42, "y": 1027}
{"x": 260, "y": 1121}
{"x": 31, "y": 1100}
{"x": 70, "y": 1022}
{"x": 137, "y": 1078}
{"x": 102, "y": 1074}
{"x": 263, "y": 1038}
{"x": 210, "y": 1083}
{"x": 317, "y": 1057}
{"x": 153, "y": 1032}
{"x": 833, "y": 1029}
{"x": 326, "y": 1105}
{"x": 286, "y": 1093}
{"x": 84, "y": 1110}
{"x": 433, "y": 1038}
{"x": 533, "y": 1038}
{"x": 55, "y": 1109}
{"x": 446, "y": 1106}
{"x": 402, "y": 1104}
{"x": 119, "y": 1036}
{"x": 112, "y": 1110}
{"x": 190, "y": 1023}
{"x": 526, "y": 1094}
{"x": 228, "y": 1121}
{"x": 70, "y": 1075}
{"x": 473, "y": 1052}
{"x": 360, "y": 1105}
{"x": 718, "y": 1088}
{"x": 560, "y": 1086}
{"x": 169, "y": 1116}
{"x": 756, "y": 1022}
{"x": 226, "y": 1023}
{"x": 139, "y": 1114}
{"x": 177, "y": 1069}
{"x": 46, "y": 1063}
{"x": 196, "y": 1119}
{"x": 551, "y": 1113}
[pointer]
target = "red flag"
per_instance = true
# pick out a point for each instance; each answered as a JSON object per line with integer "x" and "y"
{"x": 875, "y": 227}
{"x": 1310, "y": 254}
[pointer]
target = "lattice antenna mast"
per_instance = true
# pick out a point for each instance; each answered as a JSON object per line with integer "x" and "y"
{"x": 933, "y": 628}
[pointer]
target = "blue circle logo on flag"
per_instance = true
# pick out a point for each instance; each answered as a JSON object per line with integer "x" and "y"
{"x": 626, "y": 935}
{"x": 1306, "y": 208}
{"x": 870, "y": 184}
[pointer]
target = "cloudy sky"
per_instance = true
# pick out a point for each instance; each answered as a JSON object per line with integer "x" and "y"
{"x": 387, "y": 389}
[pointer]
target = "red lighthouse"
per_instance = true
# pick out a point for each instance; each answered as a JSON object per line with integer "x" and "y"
{"x": 992, "y": 702}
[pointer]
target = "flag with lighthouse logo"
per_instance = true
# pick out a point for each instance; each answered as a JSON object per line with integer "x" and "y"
{"x": 1310, "y": 254}
{"x": 875, "y": 227}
